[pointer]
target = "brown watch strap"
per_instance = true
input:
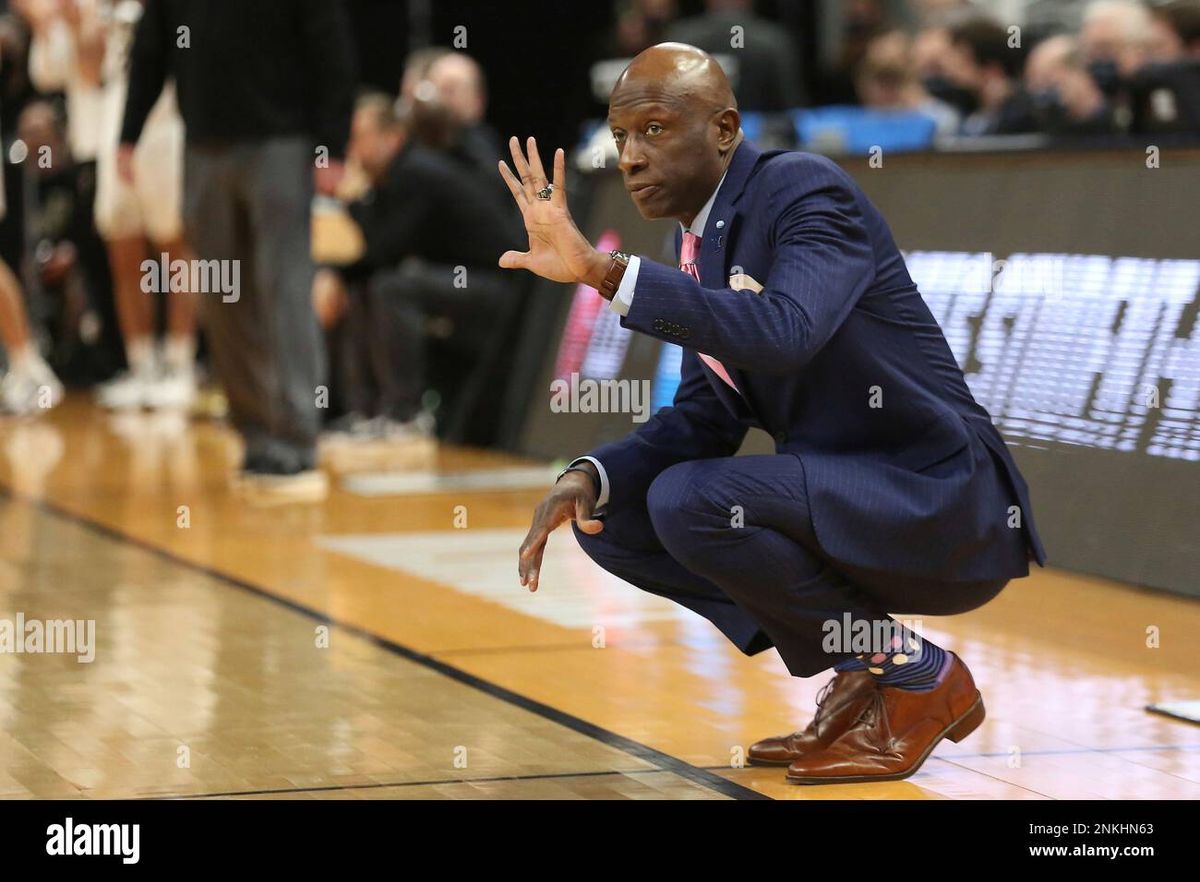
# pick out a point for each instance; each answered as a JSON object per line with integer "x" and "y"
{"x": 612, "y": 279}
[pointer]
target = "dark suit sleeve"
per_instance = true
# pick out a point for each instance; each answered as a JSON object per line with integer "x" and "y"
{"x": 823, "y": 262}
{"x": 696, "y": 426}
{"x": 147, "y": 69}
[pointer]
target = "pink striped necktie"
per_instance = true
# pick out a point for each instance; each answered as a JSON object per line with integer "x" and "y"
{"x": 687, "y": 262}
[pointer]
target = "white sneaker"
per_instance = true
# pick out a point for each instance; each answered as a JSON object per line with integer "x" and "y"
{"x": 420, "y": 427}
{"x": 267, "y": 489}
{"x": 30, "y": 389}
{"x": 348, "y": 429}
{"x": 127, "y": 391}
{"x": 174, "y": 389}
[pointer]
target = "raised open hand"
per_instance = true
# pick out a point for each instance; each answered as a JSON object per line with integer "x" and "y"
{"x": 557, "y": 250}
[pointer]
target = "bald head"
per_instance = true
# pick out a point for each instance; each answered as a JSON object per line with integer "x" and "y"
{"x": 676, "y": 125}
{"x": 680, "y": 71}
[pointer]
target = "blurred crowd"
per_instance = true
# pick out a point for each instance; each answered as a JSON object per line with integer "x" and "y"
{"x": 180, "y": 186}
{"x": 206, "y": 182}
{"x": 1061, "y": 68}
{"x": 1127, "y": 67}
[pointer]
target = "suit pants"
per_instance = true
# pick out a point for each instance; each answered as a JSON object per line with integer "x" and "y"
{"x": 732, "y": 539}
{"x": 249, "y": 203}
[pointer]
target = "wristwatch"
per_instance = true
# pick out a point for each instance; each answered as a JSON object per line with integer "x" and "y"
{"x": 616, "y": 272}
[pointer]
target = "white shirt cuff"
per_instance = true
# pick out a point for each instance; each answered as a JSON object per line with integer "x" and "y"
{"x": 623, "y": 299}
{"x": 602, "y": 500}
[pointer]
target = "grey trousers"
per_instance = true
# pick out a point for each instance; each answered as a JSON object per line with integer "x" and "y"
{"x": 250, "y": 202}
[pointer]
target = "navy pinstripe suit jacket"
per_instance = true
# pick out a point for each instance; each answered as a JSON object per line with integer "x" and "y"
{"x": 839, "y": 358}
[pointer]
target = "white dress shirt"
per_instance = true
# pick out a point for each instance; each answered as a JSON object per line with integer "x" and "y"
{"x": 621, "y": 302}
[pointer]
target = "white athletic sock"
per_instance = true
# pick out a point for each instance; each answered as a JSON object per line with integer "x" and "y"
{"x": 139, "y": 352}
{"x": 24, "y": 360}
{"x": 179, "y": 351}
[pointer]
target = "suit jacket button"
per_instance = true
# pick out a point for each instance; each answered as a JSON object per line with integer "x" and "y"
{"x": 685, "y": 333}
{"x": 658, "y": 324}
{"x": 780, "y": 437}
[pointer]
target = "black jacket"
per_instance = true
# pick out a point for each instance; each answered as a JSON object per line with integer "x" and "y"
{"x": 245, "y": 69}
{"x": 428, "y": 206}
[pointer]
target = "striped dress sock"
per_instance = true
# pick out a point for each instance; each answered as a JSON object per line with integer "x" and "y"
{"x": 912, "y": 663}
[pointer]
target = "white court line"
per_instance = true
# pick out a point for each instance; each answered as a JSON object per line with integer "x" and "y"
{"x": 572, "y": 592}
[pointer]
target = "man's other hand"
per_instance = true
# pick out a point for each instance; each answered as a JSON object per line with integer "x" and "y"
{"x": 572, "y": 498}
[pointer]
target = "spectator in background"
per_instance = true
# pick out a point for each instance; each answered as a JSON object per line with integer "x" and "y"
{"x": 1115, "y": 40}
{"x": 933, "y": 13}
{"x": 1174, "y": 31}
{"x": 29, "y": 385}
{"x": 981, "y": 61}
{"x": 1118, "y": 41}
{"x": 432, "y": 241}
{"x": 640, "y": 24}
{"x": 82, "y": 47}
{"x": 862, "y": 21}
{"x": 66, "y": 54}
{"x": 930, "y": 54}
{"x": 416, "y": 69}
{"x": 459, "y": 86}
{"x": 266, "y": 94}
{"x": 1066, "y": 99}
{"x": 16, "y": 90}
{"x": 1166, "y": 89}
{"x": 66, "y": 275}
{"x": 767, "y": 64}
{"x": 887, "y": 80}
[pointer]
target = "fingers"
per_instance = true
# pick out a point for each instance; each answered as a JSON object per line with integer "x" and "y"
{"x": 529, "y": 561}
{"x": 531, "y": 173}
{"x": 514, "y": 259}
{"x": 560, "y": 174}
{"x": 535, "y": 164}
{"x": 514, "y": 185}
{"x": 522, "y": 167}
{"x": 583, "y": 517}
{"x": 546, "y": 519}
{"x": 535, "y": 569}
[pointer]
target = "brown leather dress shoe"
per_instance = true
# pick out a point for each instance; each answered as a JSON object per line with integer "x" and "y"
{"x": 896, "y": 730}
{"x": 838, "y": 705}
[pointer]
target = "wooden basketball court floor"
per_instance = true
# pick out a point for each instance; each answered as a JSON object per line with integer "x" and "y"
{"x": 443, "y": 678}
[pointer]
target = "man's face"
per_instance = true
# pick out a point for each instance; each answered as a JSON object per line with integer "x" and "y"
{"x": 1101, "y": 39}
{"x": 458, "y": 89}
{"x": 1106, "y": 39}
{"x": 1165, "y": 45}
{"x": 961, "y": 68}
{"x": 371, "y": 145}
{"x": 1043, "y": 71}
{"x": 670, "y": 148}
